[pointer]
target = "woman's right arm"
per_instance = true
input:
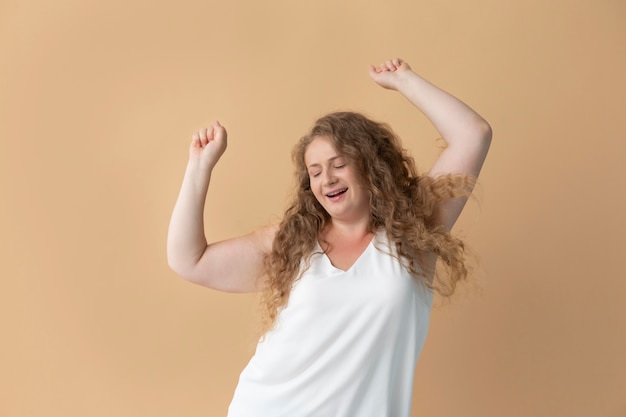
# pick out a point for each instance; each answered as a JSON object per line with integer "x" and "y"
{"x": 233, "y": 265}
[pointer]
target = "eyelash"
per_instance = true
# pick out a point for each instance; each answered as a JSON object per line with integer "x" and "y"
{"x": 336, "y": 167}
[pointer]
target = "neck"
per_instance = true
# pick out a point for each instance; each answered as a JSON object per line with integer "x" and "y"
{"x": 352, "y": 230}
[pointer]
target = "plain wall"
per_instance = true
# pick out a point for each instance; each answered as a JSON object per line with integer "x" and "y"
{"x": 98, "y": 103}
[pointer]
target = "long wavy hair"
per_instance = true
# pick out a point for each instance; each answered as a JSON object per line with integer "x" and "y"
{"x": 401, "y": 202}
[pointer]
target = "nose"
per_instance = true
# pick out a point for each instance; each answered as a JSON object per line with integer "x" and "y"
{"x": 329, "y": 178}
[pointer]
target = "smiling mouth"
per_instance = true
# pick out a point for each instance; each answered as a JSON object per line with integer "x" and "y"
{"x": 336, "y": 193}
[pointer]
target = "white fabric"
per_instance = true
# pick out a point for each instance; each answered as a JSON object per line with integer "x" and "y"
{"x": 345, "y": 345}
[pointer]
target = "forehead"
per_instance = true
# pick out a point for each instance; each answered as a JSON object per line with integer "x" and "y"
{"x": 320, "y": 149}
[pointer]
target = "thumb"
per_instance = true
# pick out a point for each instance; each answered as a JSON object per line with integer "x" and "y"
{"x": 219, "y": 130}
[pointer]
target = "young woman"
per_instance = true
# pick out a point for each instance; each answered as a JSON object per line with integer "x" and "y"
{"x": 347, "y": 277}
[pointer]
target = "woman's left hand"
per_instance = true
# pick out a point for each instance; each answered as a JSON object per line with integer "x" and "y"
{"x": 390, "y": 73}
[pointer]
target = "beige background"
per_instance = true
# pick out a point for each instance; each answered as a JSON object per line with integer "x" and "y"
{"x": 99, "y": 100}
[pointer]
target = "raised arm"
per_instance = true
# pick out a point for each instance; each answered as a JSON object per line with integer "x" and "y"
{"x": 233, "y": 265}
{"x": 466, "y": 133}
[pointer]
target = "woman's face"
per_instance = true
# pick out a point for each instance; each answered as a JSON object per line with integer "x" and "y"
{"x": 334, "y": 181}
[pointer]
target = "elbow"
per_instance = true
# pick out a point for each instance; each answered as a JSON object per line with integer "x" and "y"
{"x": 476, "y": 133}
{"x": 189, "y": 272}
{"x": 181, "y": 269}
{"x": 482, "y": 134}
{"x": 484, "y": 131}
{"x": 177, "y": 268}
{"x": 180, "y": 261}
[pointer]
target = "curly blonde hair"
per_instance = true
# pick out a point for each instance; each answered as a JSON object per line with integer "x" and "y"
{"x": 401, "y": 202}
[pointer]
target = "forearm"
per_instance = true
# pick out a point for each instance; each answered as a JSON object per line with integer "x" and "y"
{"x": 186, "y": 240}
{"x": 456, "y": 122}
{"x": 466, "y": 133}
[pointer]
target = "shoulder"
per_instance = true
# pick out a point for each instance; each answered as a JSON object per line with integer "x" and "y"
{"x": 419, "y": 262}
{"x": 265, "y": 238}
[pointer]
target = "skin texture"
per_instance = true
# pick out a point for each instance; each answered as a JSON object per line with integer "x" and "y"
{"x": 329, "y": 173}
{"x": 235, "y": 265}
{"x": 217, "y": 265}
{"x": 467, "y": 134}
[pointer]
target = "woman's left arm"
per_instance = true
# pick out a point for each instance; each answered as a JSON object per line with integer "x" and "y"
{"x": 466, "y": 133}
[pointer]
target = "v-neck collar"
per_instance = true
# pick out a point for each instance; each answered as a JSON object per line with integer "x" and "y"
{"x": 358, "y": 260}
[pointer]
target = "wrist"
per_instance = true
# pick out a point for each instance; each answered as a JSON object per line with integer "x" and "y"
{"x": 197, "y": 166}
{"x": 407, "y": 81}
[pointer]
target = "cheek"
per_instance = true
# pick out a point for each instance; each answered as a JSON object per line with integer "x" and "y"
{"x": 318, "y": 194}
{"x": 315, "y": 189}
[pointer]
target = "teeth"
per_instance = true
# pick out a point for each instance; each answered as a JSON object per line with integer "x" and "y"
{"x": 336, "y": 192}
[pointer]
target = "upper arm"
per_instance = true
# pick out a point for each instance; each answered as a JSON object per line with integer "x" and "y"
{"x": 464, "y": 156}
{"x": 233, "y": 265}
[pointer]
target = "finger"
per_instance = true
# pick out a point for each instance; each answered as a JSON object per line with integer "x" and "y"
{"x": 210, "y": 134}
{"x": 390, "y": 66}
{"x": 195, "y": 139}
{"x": 397, "y": 62}
{"x": 219, "y": 132}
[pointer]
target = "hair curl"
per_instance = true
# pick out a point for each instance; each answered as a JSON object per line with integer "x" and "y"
{"x": 401, "y": 201}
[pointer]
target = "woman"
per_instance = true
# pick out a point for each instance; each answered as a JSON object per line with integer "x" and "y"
{"x": 347, "y": 277}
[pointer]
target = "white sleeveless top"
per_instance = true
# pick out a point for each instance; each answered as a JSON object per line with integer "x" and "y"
{"x": 345, "y": 345}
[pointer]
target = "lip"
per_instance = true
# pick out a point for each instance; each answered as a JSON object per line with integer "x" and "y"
{"x": 340, "y": 191}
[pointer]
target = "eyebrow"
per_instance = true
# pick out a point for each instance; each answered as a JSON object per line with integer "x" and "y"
{"x": 329, "y": 160}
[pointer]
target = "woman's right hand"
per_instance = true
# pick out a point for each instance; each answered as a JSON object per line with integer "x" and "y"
{"x": 232, "y": 265}
{"x": 208, "y": 145}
